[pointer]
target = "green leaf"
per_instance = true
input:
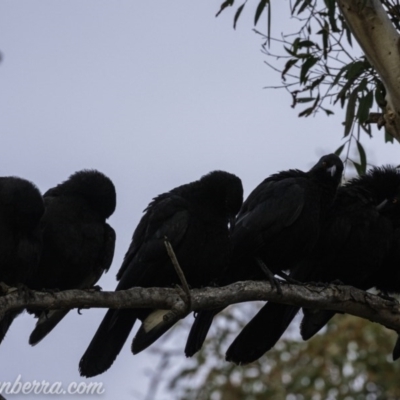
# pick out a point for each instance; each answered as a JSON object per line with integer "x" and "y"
{"x": 295, "y": 6}
{"x": 325, "y": 41}
{"x": 364, "y": 107}
{"x": 339, "y": 74}
{"x": 306, "y": 112}
{"x": 316, "y": 83}
{"x": 260, "y": 8}
{"x": 304, "y": 99}
{"x": 227, "y": 3}
{"x": 310, "y": 62}
{"x": 357, "y": 167}
{"x": 348, "y": 32}
{"x": 363, "y": 85}
{"x": 363, "y": 157}
{"x": 331, "y": 5}
{"x": 388, "y": 137}
{"x": 339, "y": 150}
{"x": 288, "y": 65}
{"x": 237, "y": 14}
{"x": 350, "y": 111}
{"x": 306, "y": 43}
{"x": 328, "y": 112}
{"x": 305, "y": 4}
{"x": 356, "y": 69}
{"x": 291, "y": 52}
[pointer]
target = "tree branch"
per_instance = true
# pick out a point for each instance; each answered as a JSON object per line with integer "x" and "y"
{"x": 340, "y": 298}
{"x": 379, "y": 40}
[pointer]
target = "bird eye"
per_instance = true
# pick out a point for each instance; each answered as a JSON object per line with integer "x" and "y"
{"x": 324, "y": 164}
{"x": 395, "y": 200}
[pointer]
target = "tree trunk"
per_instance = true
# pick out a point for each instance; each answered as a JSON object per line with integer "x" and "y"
{"x": 378, "y": 38}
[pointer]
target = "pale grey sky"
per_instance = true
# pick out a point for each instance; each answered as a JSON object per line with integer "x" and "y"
{"x": 154, "y": 95}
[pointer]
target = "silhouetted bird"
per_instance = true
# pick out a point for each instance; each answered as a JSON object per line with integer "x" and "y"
{"x": 194, "y": 218}
{"x": 277, "y": 226}
{"x": 21, "y": 207}
{"x": 369, "y": 263}
{"x": 354, "y": 242}
{"x": 78, "y": 245}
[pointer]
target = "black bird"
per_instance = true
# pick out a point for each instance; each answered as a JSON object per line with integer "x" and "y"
{"x": 373, "y": 261}
{"x": 194, "y": 218}
{"x": 354, "y": 243}
{"x": 277, "y": 225}
{"x": 78, "y": 244}
{"x": 21, "y": 208}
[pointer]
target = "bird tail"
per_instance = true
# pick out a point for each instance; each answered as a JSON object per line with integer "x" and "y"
{"x": 153, "y": 327}
{"x": 45, "y": 324}
{"x": 6, "y": 322}
{"x": 199, "y": 330}
{"x": 313, "y": 321}
{"x": 261, "y": 333}
{"x": 107, "y": 342}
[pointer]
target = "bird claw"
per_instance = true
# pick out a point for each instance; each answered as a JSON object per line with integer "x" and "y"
{"x": 275, "y": 283}
{"x": 385, "y": 295}
{"x": 96, "y": 288}
{"x": 23, "y": 291}
{"x": 289, "y": 279}
{"x": 5, "y": 289}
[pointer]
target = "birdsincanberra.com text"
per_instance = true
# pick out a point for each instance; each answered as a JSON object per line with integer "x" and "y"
{"x": 43, "y": 387}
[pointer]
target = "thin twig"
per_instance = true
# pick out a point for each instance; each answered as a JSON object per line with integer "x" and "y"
{"x": 179, "y": 271}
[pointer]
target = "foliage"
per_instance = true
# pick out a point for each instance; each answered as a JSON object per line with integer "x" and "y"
{"x": 319, "y": 67}
{"x": 351, "y": 360}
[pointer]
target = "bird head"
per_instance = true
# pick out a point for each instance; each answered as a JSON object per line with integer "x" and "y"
{"x": 96, "y": 188}
{"x": 227, "y": 192}
{"x": 329, "y": 168}
{"x": 26, "y": 200}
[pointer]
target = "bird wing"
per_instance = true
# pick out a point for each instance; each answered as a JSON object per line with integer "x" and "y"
{"x": 168, "y": 218}
{"x": 271, "y": 207}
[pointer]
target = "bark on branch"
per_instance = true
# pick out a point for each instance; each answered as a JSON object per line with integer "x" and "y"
{"x": 379, "y": 40}
{"x": 340, "y": 298}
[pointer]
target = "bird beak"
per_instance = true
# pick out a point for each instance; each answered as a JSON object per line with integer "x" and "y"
{"x": 381, "y": 205}
{"x": 332, "y": 170}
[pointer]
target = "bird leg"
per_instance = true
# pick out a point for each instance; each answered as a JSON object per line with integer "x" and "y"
{"x": 273, "y": 281}
{"x": 187, "y": 298}
{"x": 289, "y": 279}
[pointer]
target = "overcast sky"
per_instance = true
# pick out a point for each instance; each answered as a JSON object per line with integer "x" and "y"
{"x": 154, "y": 95}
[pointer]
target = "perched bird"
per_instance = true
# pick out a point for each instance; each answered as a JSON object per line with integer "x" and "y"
{"x": 353, "y": 245}
{"x": 372, "y": 257}
{"x": 21, "y": 208}
{"x": 194, "y": 218}
{"x": 78, "y": 244}
{"x": 277, "y": 226}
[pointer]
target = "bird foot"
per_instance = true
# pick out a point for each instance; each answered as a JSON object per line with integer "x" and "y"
{"x": 95, "y": 288}
{"x": 289, "y": 279}
{"x": 5, "y": 289}
{"x": 23, "y": 291}
{"x": 275, "y": 283}
{"x": 385, "y": 295}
